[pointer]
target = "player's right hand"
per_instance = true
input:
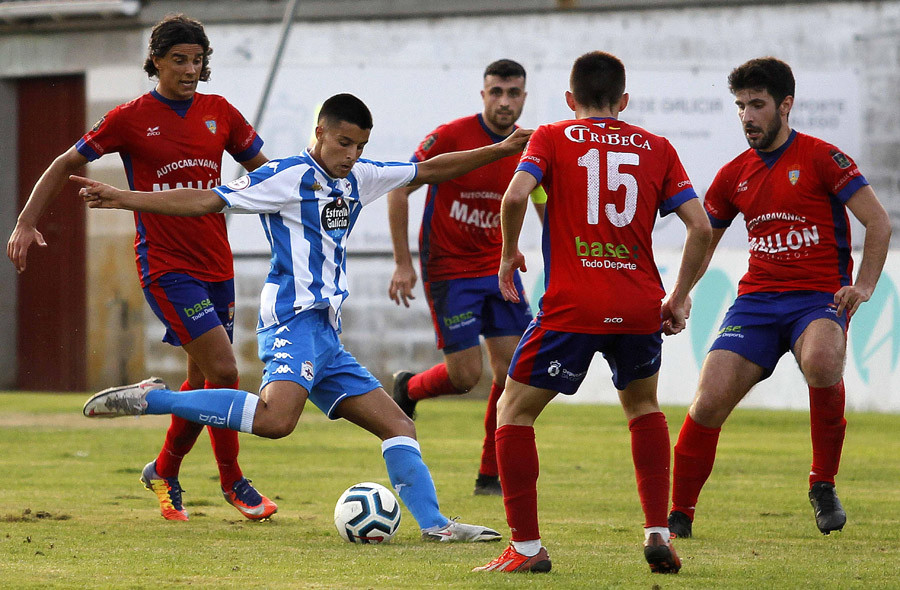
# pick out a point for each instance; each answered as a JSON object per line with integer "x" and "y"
{"x": 97, "y": 195}
{"x": 507, "y": 273}
{"x": 515, "y": 143}
{"x": 402, "y": 282}
{"x": 19, "y": 242}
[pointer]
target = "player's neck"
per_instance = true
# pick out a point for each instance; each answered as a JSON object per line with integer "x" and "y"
{"x": 591, "y": 113}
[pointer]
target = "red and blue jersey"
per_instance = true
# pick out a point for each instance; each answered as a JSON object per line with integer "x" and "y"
{"x": 175, "y": 144}
{"x": 793, "y": 202}
{"x": 605, "y": 181}
{"x": 460, "y": 234}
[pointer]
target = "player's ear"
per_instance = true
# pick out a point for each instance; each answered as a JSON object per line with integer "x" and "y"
{"x": 623, "y": 102}
{"x": 785, "y": 107}
{"x": 570, "y": 100}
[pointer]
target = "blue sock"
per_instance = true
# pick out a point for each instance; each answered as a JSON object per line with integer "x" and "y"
{"x": 225, "y": 408}
{"x": 412, "y": 480}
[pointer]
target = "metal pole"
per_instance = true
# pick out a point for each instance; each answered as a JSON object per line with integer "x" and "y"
{"x": 289, "y": 11}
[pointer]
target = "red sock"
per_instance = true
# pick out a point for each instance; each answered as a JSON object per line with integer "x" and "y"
{"x": 225, "y": 447}
{"x": 651, "y": 454}
{"x": 488, "y": 449}
{"x": 517, "y": 460}
{"x": 180, "y": 439}
{"x": 695, "y": 453}
{"x": 431, "y": 383}
{"x": 827, "y": 427}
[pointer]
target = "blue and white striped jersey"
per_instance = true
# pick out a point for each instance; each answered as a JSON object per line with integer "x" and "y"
{"x": 307, "y": 216}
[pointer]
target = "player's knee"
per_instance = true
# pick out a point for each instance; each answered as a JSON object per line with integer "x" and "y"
{"x": 223, "y": 373}
{"x": 823, "y": 371}
{"x": 273, "y": 426}
{"x": 465, "y": 378}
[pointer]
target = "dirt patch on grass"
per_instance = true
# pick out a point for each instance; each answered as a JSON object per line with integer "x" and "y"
{"x": 30, "y": 516}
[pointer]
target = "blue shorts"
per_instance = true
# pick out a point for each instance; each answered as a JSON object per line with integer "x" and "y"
{"x": 761, "y": 327}
{"x": 558, "y": 361}
{"x": 306, "y": 350}
{"x": 189, "y": 307}
{"x": 463, "y": 309}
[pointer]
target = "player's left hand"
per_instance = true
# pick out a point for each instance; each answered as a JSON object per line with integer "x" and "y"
{"x": 849, "y": 298}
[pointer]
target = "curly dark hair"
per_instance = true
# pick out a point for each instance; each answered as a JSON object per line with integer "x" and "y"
{"x": 763, "y": 73}
{"x": 173, "y": 30}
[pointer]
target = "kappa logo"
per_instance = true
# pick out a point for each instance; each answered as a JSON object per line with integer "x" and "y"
{"x": 282, "y": 329}
{"x": 306, "y": 371}
{"x": 283, "y": 355}
{"x": 280, "y": 343}
{"x": 152, "y": 131}
{"x": 875, "y": 332}
{"x": 283, "y": 370}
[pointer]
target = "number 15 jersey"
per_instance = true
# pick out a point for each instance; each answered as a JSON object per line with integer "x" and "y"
{"x": 605, "y": 181}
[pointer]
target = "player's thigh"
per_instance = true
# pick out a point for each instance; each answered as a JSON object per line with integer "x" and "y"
{"x": 639, "y": 397}
{"x": 521, "y": 403}
{"x": 377, "y": 413}
{"x": 500, "y": 351}
{"x": 725, "y": 379}
{"x": 189, "y": 307}
{"x": 214, "y": 356}
{"x": 820, "y": 351}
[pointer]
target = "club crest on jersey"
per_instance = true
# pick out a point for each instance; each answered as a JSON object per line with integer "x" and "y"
{"x": 306, "y": 371}
{"x": 793, "y": 176}
{"x": 211, "y": 125}
{"x": 840, "y": 159}
{"x": 429, "y": 141}
{"x": 316, "y": 186}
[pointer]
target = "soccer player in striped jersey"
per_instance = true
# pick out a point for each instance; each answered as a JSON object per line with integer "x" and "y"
{"x": 174, "y": 136}
{"x": 459, "y": 249}
{"x": 798, "y": 294}
{"x": 606, "y": 180}
{"x": 308, "y": 205}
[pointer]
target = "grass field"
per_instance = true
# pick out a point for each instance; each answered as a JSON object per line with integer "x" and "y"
{"x": 75, "y": 516}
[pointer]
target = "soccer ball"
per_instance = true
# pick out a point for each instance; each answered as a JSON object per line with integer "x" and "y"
{"x": 367, "y": 513}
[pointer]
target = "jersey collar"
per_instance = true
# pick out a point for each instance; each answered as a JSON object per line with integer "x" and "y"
{"x": 769, "y": 158}
{"x": 179, "y": 106}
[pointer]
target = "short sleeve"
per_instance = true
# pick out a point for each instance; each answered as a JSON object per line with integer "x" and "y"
{"x": 439, "y": 141}
{"x": 375, "y": 179}
{"x": 535, "y": 158}
{"x": 265, "y": 190}
{"x": 719, "y": 208}
{"x": 839, "y": 173}
{"x": 103, "y": 137}
{"x": 243, "y": 141}
{"x": 677, "y": 187}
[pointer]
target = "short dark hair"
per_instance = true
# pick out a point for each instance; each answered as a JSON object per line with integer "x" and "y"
{"x": 172, "y": 30}
{"x": 763, "y": 73}
{"x": 346, "y": 107}
{"x": 505, "y": 68}
{"x": 598, "y": 80}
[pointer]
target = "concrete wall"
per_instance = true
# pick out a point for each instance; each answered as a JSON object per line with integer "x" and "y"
{"x": 415, "y": 73}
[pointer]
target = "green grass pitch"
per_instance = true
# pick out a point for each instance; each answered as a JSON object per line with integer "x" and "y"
{"x": 73, "y": 514}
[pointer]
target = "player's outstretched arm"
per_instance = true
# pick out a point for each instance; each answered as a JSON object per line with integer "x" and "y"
{"x": 452, "y": 164}
{"x": 404, "y": 278}
{"x": 44, "y": 192}
{"x": 695, "y": 257}
{"x": 866, "y": 207}
{"x": 512, "y": 213}
{"x": 190, "y": 202}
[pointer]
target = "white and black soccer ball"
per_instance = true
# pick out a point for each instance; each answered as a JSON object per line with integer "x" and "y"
{"x": 367, "y": 513}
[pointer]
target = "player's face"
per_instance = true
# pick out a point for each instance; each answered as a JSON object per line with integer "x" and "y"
{"x": 338, "y": 146}
{"x": 765, "y": 123}
{"x": 179, "y": 71}
{"x": 504, "y": 99}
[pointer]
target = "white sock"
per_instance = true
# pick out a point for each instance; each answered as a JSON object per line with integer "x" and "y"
{"x": 527, "y": 548}
{"x": 662, "y": 530}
